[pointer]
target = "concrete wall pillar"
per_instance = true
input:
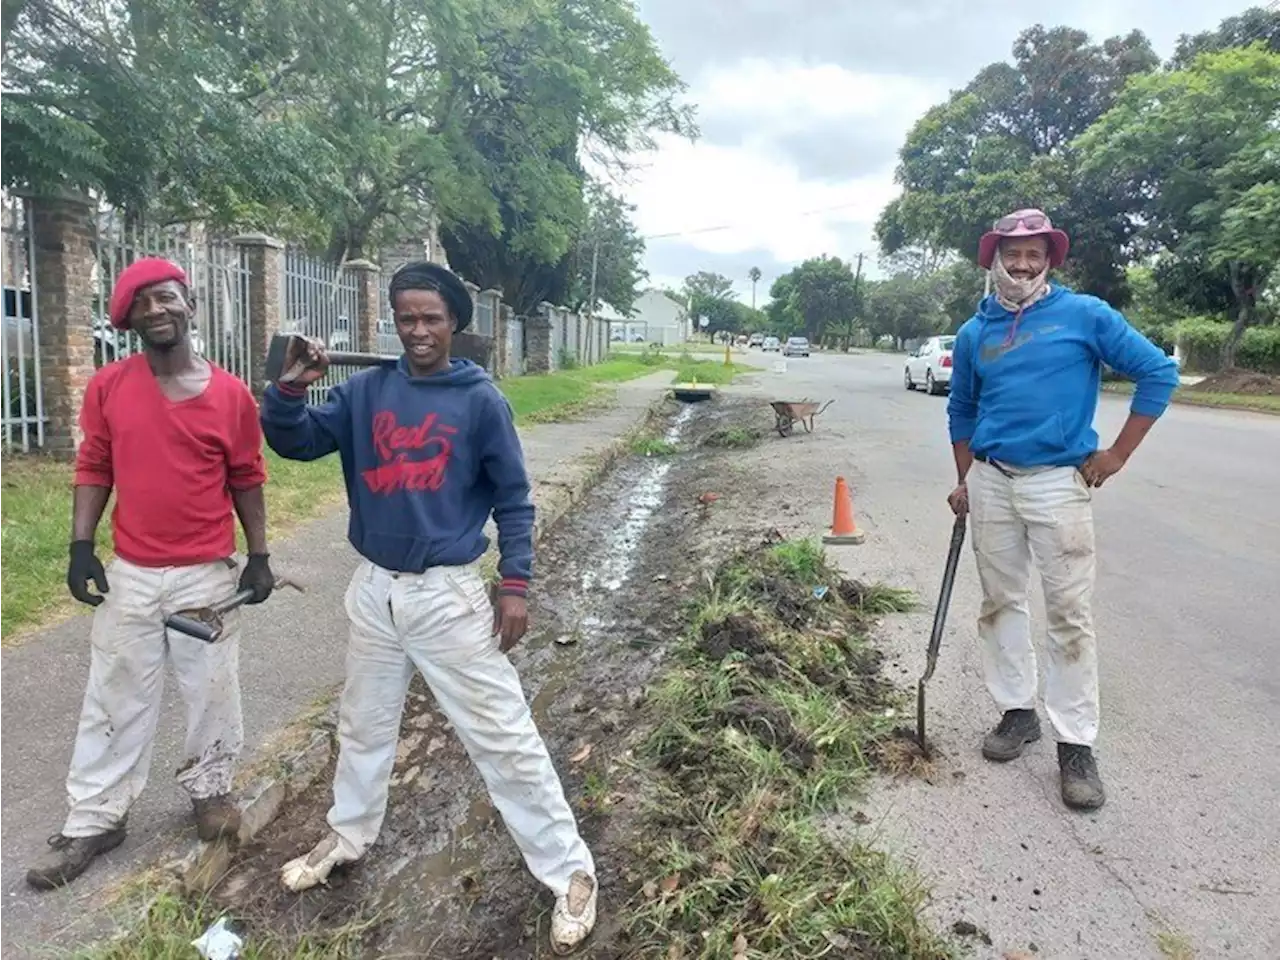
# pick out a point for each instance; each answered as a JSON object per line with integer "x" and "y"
{"x": 265, "y": 257}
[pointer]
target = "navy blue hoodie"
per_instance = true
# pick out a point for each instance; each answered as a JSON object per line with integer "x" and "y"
{"x": 426, "y": 460}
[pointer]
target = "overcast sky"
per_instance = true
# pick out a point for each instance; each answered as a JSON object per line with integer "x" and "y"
{"x": 803, "y": 104}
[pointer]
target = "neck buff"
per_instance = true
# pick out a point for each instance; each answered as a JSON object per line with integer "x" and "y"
{"x": 1016, "y": 295}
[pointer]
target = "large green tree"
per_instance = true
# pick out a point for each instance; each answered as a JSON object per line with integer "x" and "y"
{"x": 1200, "y": 148}
{"x": 821, "y": 293}
{"x": 1003, "y": 142}
{"x": 1253, "y": 25}
{"x": 904, "y": 307}
{"x": 710, "y": 295}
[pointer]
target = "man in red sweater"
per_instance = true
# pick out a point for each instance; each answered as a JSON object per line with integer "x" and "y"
{"x": 179, "y": 442}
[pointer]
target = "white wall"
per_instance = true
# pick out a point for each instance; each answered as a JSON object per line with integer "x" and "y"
{"x": 659, "y": 319}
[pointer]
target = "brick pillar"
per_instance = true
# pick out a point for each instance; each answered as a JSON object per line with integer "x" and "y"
{"x": 368, "y": 277}
{"x": 501, "y": 340}
{"x": 265, "y": 256}
{"x": 539, "y": 350}
{"x": 63, "y": 233}
{"x": 492, "y": 299}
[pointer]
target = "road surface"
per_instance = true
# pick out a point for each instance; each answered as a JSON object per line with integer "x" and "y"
{"x": 1187, "y": 850}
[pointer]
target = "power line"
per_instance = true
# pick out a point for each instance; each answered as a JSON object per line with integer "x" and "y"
{"x": 739, "y": 226}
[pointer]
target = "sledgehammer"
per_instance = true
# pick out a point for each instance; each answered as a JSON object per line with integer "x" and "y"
{"x": 205, "y": 623}
{"x": 939, "y": 620}
{"x": 287, "y": 358}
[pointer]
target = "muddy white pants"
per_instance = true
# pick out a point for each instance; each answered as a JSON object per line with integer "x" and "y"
{"x": 129, "y": 645}
{"x": 442, "y": 623}
{"x": 1046, "y": 516}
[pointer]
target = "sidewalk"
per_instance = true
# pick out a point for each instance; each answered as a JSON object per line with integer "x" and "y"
{"x": 291, "y": 655}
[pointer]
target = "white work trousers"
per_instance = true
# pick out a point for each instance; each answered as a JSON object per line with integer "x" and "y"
{"x": 1047, "y": 515}
{"x": 442, "y": 623}
{"x": 129, "y": 645}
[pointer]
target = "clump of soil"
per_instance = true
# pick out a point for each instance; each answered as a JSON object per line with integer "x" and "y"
{"x": 736, "y": 633}
{"x": 1239, "y": 381}
{"x": 899, "y": 755}
{"x": 772, "y": 726}
{"x": 963, "y": 928}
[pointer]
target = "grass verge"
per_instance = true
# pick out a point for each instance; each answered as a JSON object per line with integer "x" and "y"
{"x": 770, "y": 715}
{"x": 36, "y": 511}
{"x": 1196, "y": 398}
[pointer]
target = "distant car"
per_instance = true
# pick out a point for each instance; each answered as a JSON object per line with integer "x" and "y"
{"x": 770, "y": 343}
{"x": 930, "y": 366}
{"x": 796, "y": 347}
{"x": 755, "y": 340}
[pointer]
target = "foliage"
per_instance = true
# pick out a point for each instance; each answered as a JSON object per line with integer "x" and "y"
{"x": 611, "y": 239}
{"x": 1003, "y": 142}
{"x": 818, "y": 296}
{"x": 1254, "y": 24}
{"x": 1201, "y": 169}
{"x": 1202, "y": 340}
{"x": 904, "y": 307}
{"x": 710, "y": 295}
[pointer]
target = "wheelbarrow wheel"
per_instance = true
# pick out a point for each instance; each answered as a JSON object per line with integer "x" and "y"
{"x": 784, "y": 426}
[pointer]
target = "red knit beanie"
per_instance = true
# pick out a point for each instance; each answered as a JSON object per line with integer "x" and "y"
{"x": 133, "y": 278}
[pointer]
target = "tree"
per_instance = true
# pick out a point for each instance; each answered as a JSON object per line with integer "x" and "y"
{"x": 781, "y": 314}
{"x": 608, "y": 239}
{"x": 822, "y": 293}
{"x": 1254, "y": 24}
{"x": 1202, "y": 147}
{"x": 754, "y": 276}
{"x": 1003, "y": 142}
{"x": 710, "y": 295}
{"x": 903, "y": 307}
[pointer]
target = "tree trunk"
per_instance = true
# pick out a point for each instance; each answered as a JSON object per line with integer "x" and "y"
{"x": 1245, "y": 297}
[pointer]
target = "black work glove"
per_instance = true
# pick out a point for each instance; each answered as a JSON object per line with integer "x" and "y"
{"x": 257, "y": 576}
{"x": 85, "y": 566}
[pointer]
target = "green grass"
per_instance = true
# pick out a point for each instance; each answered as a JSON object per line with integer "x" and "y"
{"x": 36, "y": 509}
{"x": 1196, "y": 398}
{"x": 648, "y": 446}
{"x": 164, "y": 924}
{"x": 759, "y": 738}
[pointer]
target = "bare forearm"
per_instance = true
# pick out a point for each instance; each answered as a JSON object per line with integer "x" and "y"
{"x": 251, "y": 508}
{"x": 87, "y": 506}
{"x": 1132, "y": 434}
{"x": 964, "y": 459}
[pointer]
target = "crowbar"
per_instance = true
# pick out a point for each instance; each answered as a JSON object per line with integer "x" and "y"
{"x": 205, "y": 623}
{"x": 939, "y": 620}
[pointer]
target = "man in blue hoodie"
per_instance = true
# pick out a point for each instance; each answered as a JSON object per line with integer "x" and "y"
{"x": 1024, "y": 390}
{"x": 429, "y": 450}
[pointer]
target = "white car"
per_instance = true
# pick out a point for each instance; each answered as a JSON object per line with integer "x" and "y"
{"x": 770, "y": 343}
{"x": 930, "y": 366}
{"x": 796, "y": 347}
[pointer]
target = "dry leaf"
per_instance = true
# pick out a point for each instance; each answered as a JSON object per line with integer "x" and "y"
{"x": 583, "y": 752}
{"x": 739, "y": 946}
{"x": 669, "y": 884}
{"x": 650, "y": 890}
{"x": 675, "y": 952}
{"x": 722, "y": 869}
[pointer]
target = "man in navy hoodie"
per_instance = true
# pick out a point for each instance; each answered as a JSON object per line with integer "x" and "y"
{"x": 1024, "y": 390}
{"x": 429, "y": 450}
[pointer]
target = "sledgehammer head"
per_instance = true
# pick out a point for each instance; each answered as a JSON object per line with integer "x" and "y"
{"x": 286, "y": 351}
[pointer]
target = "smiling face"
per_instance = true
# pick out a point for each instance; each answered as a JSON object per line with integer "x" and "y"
{"x": 425, "y": 327}
{"x": 1024, "y": 257}
{"x": 161, "y": 315}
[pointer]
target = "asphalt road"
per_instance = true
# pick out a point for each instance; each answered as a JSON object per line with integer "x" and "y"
{"x": 1187, "y": 851}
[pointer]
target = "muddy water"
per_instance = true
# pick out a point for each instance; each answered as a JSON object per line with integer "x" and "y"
{"x": 445, "y": 877}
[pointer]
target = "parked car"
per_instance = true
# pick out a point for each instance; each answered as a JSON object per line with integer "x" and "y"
{"x": 770, "y": 343}
{"x": 930, "y": 366}
{"x": 755, "y": 340}
{"x": 796, "y": 347}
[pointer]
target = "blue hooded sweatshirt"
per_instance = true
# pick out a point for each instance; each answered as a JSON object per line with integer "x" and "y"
{"x": 426, "y": 460}
{"x": 1026, "y": 394}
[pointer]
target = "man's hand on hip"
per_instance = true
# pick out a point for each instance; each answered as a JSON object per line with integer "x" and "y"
{"x": 958, "y": 500}
{"x": 510, "y": 620}
{"x": 83, "y": 568}
{"x": 1101, "y": 465}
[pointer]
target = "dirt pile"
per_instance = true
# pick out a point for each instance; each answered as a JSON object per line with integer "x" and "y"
{"x": 1246, "y": 382}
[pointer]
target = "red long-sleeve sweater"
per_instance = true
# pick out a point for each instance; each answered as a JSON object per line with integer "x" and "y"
{"x": 172, "y": 465}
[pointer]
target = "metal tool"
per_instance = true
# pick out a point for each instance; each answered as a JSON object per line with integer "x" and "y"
{"x": 939, "y": 620}
{"x": 287, "y": 358}
{"x": 205, "y": 623}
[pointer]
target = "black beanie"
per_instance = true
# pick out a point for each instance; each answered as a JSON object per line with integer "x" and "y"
{"x": 421, "y": 275}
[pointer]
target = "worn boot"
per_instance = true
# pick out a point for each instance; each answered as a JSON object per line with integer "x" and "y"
{"x": 68, "y": 857}
{"x": 304, "y": 872}
{"x": 216, "y": 817}
{"x": 574, "y": 916}
{"x": 1016, "y": 729}
{"x": 1081, "y": 785}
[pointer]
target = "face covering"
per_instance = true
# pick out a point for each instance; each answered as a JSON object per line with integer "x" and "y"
{"x": 1013, "y": 294}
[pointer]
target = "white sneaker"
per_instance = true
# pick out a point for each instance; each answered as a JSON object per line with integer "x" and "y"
{"x": 574, "y": 916}
{"x": 306, "y": 871}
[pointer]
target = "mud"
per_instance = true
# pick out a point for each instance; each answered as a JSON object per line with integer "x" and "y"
{"x": 1239, "y": 381}
{"x": 444, "y": 879}
{"x": 772, "y": 726}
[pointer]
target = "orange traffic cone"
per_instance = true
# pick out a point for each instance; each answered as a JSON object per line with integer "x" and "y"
{"x": 843, "y": 528}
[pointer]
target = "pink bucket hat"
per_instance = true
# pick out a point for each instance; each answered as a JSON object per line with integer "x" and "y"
{"x": 1023, "y": 223}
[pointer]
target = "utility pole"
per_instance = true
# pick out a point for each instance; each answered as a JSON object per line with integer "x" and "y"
{"x": 857, "y": 302}
{"x": 595, "y": 263}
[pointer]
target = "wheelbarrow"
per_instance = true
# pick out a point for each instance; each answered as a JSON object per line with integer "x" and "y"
{"x": 789, "y": 413}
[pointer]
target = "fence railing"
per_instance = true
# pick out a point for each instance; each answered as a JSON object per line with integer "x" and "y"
{"x": 24, "y": 416}
{"x": 321, "y": 300}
